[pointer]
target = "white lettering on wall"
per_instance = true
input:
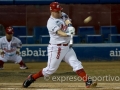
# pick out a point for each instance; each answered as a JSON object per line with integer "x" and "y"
{"x": 36, "y": 53}
{"x": 115, "y": 53}
{"x": 29, "y": 52}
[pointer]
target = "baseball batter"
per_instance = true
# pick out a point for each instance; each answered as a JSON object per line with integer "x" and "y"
{"x": 59, "y": 48}
{"x": 10, "y": 49}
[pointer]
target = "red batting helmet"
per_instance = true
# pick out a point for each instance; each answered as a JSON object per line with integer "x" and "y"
{"x": 9, "y": 30}
{"x": 55, "y": 7}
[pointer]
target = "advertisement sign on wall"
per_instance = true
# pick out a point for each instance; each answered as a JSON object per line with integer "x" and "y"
{"x": 87, "y": 52}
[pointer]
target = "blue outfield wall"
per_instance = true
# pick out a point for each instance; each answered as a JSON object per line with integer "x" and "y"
{"x": 87, "y": 52}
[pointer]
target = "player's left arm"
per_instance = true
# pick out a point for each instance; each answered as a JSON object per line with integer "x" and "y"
{"x": 70, "y": 27}
{"x": 68, "y": 22}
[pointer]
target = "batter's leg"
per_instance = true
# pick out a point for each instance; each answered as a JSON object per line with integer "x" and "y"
{"x": 52, "y": 64}
{"x": 72, "y": 60}
{"x": 55, "y": 56}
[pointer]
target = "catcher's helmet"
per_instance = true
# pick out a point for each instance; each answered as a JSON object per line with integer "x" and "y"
{"x": 9, "y": 30}
{"x": 55, "y": 7}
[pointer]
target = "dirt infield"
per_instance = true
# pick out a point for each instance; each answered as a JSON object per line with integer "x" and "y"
{"x": 107, "y": 74}
{"x": 58, "y": 86}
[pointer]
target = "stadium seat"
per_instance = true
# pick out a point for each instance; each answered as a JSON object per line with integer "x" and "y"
{"x": 86, "y": 30}
{"x": 113, "y": 30}
{"x": 23, "y": 39}
{"x": 38, "y": 31}
{"x": 76, "y": 39}
{"x": 6, "y": 2}
{"x": 114, "y": 38}
{"x": 44, "y": 39}
{"x": 33, "y": 2}
{"x": 20, "y": 31}
{"x": 94, "y": 39}
{"x": 27, "y": 39}
{"x": 107, "y": 30}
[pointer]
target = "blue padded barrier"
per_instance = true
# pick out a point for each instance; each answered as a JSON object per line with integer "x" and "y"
{"x": 78, "y": 1}
{"x": 38, "y": 31}
{"x": 114, "y": 38}
{"x": 44, "y": 39}
{"x": 33, "y": 2}
{"x": 85, "y": 52}
{"x": 20, "y": 30}
{"x": 110, "y": 1}
{"x": 30, "y": 40}
{"x": 76, "y": 39}
{"x": 107, "y": 30}
{"x": 86, "y": 30}
{"x": 6, "y": 2}
{"x": 94, "y": 39}
{"x": 23, "y": 39}
{"x": 27, "y": 39}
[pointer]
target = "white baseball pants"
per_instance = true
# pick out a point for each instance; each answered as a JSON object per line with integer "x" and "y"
{"x": 15, "y": 58}
{"x": 58, "y": 53}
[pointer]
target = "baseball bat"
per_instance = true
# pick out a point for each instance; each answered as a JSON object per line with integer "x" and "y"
{"x": 88, "y": 19}
{"x": 69, "y": 22}
{"x": 71, "y": 40}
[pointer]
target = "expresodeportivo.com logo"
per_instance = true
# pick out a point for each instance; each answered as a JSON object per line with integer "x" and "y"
{"x": 107, "y": 78}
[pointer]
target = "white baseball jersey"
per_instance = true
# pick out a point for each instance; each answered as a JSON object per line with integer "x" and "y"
{"x": 53, "y": 25}
{"x": 10, "y": 47}
{"x": 58, "y": 53}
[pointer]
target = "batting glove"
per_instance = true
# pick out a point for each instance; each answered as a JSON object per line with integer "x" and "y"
{"x": 71, "y": 31}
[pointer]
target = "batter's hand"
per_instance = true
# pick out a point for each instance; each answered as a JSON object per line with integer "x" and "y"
{"x": 71, "y": 30}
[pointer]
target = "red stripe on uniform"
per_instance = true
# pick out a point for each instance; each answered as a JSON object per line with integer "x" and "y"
{"x": 58, "y": 53}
